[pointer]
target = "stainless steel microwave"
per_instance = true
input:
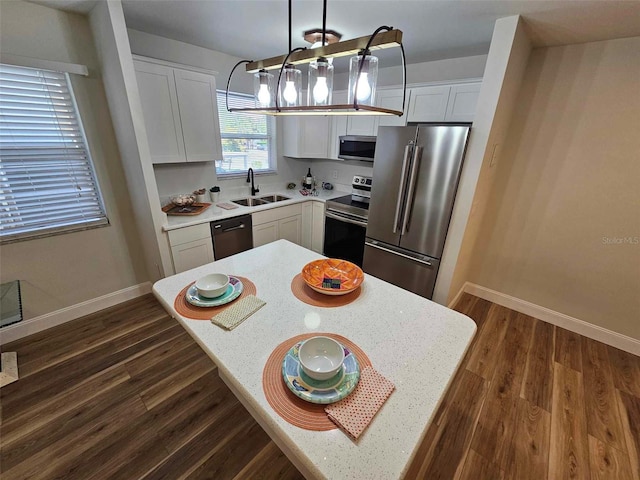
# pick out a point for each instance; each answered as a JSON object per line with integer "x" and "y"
{"x": 357, "y": 147}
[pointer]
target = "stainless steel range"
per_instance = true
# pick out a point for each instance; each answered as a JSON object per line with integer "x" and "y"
{"x": 345, "y": 224}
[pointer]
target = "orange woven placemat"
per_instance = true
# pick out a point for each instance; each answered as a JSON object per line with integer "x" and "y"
{"x": 185, "y": 309}
{"x": 306, "y": 294}
{"x": 294, "y": 410}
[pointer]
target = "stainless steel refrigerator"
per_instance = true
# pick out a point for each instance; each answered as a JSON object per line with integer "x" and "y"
{"x": 415, "y": 177}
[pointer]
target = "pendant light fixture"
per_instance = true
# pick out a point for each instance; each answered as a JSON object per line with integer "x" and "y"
{"x": 286, "y": 93}
{"x": 263, "y": 89}
{"x": 291, "y": 87}
{"x": 320, "y": 82}
{"x": 363, "y": 76}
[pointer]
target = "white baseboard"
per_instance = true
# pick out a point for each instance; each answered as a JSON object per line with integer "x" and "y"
{"x": 48, "y": 320}
{"x": 595, "y": 332}
{"x": 453, "y": 302}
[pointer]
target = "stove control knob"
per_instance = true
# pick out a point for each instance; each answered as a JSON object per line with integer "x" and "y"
{"x": 356, "y": 180}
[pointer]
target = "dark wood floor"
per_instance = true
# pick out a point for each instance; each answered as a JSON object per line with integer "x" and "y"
{"x": 126, "y": 393}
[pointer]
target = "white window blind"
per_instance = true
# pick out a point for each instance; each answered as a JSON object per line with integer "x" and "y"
{"x": 247, "y": 138}
{"x": 47, "y": 182}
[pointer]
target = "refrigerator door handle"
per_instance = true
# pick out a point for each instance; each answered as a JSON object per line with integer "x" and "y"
{"x": 388, "y": 250}
{"x": 411, "y": 191}
{"x": 403, "y": 178}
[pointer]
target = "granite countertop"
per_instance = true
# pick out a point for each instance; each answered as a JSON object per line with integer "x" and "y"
{"x": 214, "y": 213}
{"x": 415, "y": 343}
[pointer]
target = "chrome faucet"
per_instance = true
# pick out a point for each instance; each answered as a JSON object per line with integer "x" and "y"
{"x": 254, "y": 190}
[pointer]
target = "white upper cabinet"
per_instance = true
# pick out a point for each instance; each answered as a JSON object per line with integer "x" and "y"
{"x": 362, "y": 124}
{"x": 306, "y": 136}
{"x": 444, "y": 103}
{"x": 161, "y": 115}
{"x": 180, "y": 112}
{"x": 392, "y": 99}
{"x": 199, "y": 115}
{"x": 463, "y": 100}
{"x": 428, "y": 104}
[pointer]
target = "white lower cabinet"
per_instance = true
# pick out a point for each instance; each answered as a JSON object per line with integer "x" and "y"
{"x": 313, "y": 226}
{"x": 265, "y": 233}
{"x": 191, "y": 247}
{"x": 277, "y": 223}
{"x": 317, "y": 227}
{"x": 290, "y": 228}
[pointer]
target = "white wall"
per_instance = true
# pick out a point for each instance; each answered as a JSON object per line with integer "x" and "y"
{"x": 64, "y": 270}
{"x": 562, "y": 225}
{"x": 506, "y": 63}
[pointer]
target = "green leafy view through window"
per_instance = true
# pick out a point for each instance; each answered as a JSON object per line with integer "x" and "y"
{"x": 247, "y": 139}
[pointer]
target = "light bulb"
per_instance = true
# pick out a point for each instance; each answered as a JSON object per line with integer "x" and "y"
{"x": 264, "y": 97}
{"x": 290, "y": 94}
{"x": 321, "y": 90}
{"x": 364, "y": 90}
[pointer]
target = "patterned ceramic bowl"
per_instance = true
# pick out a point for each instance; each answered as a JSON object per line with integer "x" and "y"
{"x": 332, "y": 276}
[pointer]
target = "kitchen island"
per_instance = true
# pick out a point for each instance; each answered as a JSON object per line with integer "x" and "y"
{"x": 415, "y": 343}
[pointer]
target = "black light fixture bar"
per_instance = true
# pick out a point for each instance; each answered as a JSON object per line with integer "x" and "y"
{"x": 392, "y": 38}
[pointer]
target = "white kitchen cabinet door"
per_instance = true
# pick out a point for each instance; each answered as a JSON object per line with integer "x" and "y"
{"x": 338, "y": 126}
{"x": 306, "y": 136}
{"x": 192, "y": 254}
{"x": 161, "y": 114}
{"x": 392, "y": 99}
{"x": 317, "y": 229}
{"x": 428, "y": 104}
{"x": 307, "y": 224}
{"x": 291, "y": 229}
{"x": 199, "y": 115}
{"x": 265, "y": 233}
{"x": 362, "y": 124}
{"x": 463, "y": 100}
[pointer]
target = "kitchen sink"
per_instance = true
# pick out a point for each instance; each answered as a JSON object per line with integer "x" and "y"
{"x": 250, "y": 202}
{"x": 274, "y": 198}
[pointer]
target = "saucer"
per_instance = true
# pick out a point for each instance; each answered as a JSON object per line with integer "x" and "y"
{"x": 233, "y": 291}
{"x": 320, "y": 391}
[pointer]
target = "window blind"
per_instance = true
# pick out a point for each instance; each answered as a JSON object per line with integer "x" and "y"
{"x": 47, "y": 182}
{"x": 247, "y": 138}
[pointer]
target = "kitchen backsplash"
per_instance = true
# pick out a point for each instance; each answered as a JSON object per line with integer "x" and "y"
{"x": 173, "y": 179}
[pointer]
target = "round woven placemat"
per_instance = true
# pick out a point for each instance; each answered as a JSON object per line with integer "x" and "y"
{"x": 306, "y": 294}
{"x": 185, "y": 309}
{"x": 294, "y": 410}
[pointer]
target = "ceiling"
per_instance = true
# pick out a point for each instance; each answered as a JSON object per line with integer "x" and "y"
{"x": 433, "y": 29}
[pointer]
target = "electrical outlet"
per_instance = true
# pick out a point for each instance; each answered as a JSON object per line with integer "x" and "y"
{"x": 334, "y": 174}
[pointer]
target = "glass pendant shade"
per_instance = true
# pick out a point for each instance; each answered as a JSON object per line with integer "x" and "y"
{"x": 366, "y": 80}
{"x": 263, "y": 89}
{"x": 291, "y": 87}
{"x": 320, "y": 83}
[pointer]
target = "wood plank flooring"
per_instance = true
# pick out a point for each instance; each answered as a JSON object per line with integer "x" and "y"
{"x": 126, "y": 393}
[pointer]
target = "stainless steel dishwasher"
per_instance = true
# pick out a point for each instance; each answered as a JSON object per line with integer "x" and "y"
{"x": 231, "y": 236}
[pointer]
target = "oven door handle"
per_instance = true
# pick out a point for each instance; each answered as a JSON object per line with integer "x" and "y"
{"x": 345, "y": 219}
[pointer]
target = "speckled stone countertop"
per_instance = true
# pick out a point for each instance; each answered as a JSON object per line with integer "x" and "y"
{"x": 214, "y": 213}
{"x": 415, "y": 343}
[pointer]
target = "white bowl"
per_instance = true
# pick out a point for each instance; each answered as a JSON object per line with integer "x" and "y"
{"x": 321, "y": 357}
{"x": 212, "y": 285}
